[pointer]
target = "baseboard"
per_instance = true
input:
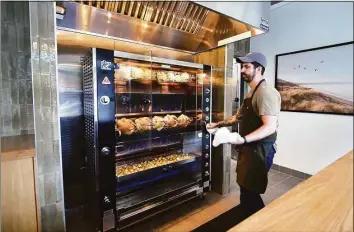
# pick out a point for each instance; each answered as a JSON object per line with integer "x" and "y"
{"x": 290, "y": 171}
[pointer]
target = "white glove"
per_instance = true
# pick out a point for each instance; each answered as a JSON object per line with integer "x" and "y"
{"x": 223, "y": 135}
{"x": 211, "y": 130}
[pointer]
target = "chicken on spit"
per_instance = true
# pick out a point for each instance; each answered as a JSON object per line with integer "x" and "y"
{"x": 170, "y": 121}
{"x": 143, "y": 124}
{"x": 125, "y": 126}
{"x": 183, "y": 120}
{"x": 158, "y": 123}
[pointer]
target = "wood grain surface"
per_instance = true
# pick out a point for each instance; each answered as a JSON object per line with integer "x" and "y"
{"x": 324, "y": 202}
{"x": 16, "y": 155}
{"x": 18, "y": 203}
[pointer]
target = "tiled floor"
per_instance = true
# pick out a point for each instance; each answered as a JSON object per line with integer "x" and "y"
{"x": 278, "y": 183}
{"x": 191, "y": 214}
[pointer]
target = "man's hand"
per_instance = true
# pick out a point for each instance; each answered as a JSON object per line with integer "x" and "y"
{"x": 223, "y": 135}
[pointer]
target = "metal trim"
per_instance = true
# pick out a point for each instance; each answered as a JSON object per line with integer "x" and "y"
{"x": 236, "y": 73}
{"x": 159, "y": 203}
{"x": 122, "y": 39}
{"x": 58, "y": 108}
{"x": 95, "y": 116}
{"x": 211, "y": 119}
{"x": 156, "y": 59}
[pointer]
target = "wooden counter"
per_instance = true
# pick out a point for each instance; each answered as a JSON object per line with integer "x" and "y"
{"x": 18, "y": 192}
{"x": 324, "y": 202}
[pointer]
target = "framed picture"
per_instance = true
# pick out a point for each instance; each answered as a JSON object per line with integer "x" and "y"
{"x": 317, "y": 80}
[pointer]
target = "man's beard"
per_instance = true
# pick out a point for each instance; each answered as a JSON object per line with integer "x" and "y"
{"x": 248, "y": 78}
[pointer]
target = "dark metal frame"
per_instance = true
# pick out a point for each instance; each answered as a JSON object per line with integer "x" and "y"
{"x": 99, "y": 110}
{"x": 301, "y": 51}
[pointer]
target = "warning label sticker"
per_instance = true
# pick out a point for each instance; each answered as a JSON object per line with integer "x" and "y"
{"x": 106, "y": 81}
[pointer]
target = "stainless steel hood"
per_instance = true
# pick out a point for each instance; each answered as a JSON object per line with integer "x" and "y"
{"x": 179, "y": 25}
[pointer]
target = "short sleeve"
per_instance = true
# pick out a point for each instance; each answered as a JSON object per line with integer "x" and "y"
{"x": 267, "y": 102}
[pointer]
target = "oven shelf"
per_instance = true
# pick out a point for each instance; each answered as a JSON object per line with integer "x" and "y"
{"x": 155, "y": 134}
{"x": 159, "y": 169}
{"x": 128, "y": 205}
{"x": 152, "y": 92}
{"x": 123, "y": 155}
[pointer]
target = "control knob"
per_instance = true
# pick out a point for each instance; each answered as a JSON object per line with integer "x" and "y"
{"x": 105, "y": 151}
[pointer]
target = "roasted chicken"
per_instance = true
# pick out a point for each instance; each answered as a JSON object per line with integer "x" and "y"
{"x": 183, "y": 120}
{"x": 170, "y": 121}
{"x": 125, "y": 126}
{"x": 143, "y": 124}
{"x": 158, "y": 123}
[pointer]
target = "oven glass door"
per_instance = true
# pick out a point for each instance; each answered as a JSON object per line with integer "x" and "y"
{"x": 158, "y": 131}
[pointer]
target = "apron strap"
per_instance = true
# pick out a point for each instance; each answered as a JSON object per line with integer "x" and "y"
{"x": 259, "y": 83}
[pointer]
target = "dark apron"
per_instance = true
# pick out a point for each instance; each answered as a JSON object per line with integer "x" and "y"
{"x": 252, "y": 159}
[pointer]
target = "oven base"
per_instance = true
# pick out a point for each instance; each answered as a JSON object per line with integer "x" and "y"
{"x": 124, "y": 225}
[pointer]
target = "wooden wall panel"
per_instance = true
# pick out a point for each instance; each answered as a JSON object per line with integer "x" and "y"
{"x": 18, "y": 200}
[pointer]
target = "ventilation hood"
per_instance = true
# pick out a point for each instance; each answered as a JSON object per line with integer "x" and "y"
{"x": 179, "y": 25}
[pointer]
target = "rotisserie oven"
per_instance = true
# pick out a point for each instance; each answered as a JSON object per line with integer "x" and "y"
{"x": 146, "y": 146}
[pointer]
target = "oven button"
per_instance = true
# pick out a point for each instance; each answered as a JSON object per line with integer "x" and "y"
{"x": 206, "y": 173}
{"x": 105, "y": 151}
{"x": 207, "y": 90}
{"x": 207, "y": 109}
{"x": 206, "y": 165}
{"x": 206, "y": 146}
{"x": 207, "y": 136}
{"x": 207, "y": 99}
{"x": 206, "y": 118}
{"x": 206, "y": 155}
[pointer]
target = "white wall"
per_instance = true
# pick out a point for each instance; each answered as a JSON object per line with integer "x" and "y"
{"x": 308, "y": 142}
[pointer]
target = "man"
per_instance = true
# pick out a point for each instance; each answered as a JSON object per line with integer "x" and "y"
{"x": 258, "y": 119}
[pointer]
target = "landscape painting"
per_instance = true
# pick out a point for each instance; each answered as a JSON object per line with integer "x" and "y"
{"x": 318, "y": 80}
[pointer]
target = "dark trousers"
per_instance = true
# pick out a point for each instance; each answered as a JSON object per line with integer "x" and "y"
{"x": 252, "y": 202}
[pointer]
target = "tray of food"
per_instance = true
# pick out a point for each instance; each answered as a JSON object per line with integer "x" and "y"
{"x": 152, "y": 165}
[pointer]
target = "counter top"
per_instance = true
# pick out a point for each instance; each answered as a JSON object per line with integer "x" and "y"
{"x": 323, "y": 202}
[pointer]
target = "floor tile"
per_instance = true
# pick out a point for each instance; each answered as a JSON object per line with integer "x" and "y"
{"x": 288, "y": 184}
{"x": 272, "y": 172}
{"x": 272, "y": 182}
{"x": 278, "y": 177}
{"x": 271, "y": 194}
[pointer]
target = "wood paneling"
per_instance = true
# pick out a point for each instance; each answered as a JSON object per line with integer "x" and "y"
{"x": 18, "y": 202}
{"x": 16, "y": 155}
{"x": 324, "y": 202}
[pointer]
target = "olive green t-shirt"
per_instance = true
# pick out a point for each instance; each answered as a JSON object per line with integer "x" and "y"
{"x": 266, "y": 100}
